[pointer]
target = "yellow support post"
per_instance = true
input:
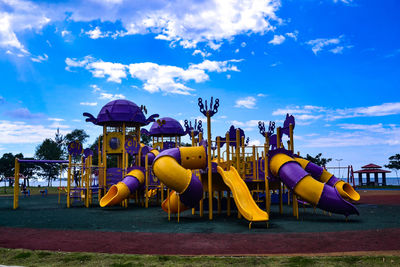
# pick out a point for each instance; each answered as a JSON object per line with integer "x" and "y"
{"x": 291, "y": 137}
{"x": 227, "y": 150}
{"x": 278, "y": 137}
{"x": 238, "y": 150}
{"x": 280, "y": 199}
{"x": 267, "y": 194}
{"x": 69, "y": 181}
{"x": 169, "y": 205}
{"x": 146, "y": 192}
{"x": 59, "y": 188}
{"x": 218, "y": 150}
{"x": 87, "y": 183}
{"x": 243, "y": 158}
{"x": 16, "y": 184}
{"x": 210, "y": 194}
{"x": 254, "y": 162}
{"x": 105, "y": 159}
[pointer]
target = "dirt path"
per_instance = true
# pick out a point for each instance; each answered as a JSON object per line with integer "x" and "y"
{"x": 201, "y": 244}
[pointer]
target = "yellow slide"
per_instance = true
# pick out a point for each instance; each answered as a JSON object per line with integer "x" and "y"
{"x": 241, "y": 194}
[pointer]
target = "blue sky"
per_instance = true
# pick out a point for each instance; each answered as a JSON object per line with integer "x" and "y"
{"x": 333, "y": 64}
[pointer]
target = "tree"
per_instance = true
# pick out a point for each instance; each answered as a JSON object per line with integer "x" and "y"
{"x": 77, "y": 134}
{"x": 318, "y": 159}
{"x": 394, "y": 163}
{"x": 49, "y": 150}
{"x": 27, "y": 170}
{"x": 7, "y": 166}
{"x": 146, "y": 139}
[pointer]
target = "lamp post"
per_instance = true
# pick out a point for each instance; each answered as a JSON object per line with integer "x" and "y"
{"x": 339, "y": 160}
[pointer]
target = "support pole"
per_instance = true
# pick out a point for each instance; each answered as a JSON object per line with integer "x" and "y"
{"x": 267, "y": 193}
{"x": 210, "y": 194}
{"x": 69, "y": 181}
{"x": 16, "y": 184}
{"x": 146, "y": 192}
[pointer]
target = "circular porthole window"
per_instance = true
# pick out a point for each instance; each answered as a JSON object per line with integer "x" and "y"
{"x": 114, "y": 143}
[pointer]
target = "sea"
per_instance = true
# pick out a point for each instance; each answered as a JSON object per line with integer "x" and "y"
{"x": 56, "y": 183}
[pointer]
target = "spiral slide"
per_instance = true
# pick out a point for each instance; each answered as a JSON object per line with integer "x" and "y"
{"x": 322, "y": 175}
{"x": 323, "y": 195}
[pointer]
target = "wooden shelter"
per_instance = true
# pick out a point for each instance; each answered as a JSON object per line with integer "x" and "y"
{"x": 372, "y": 169}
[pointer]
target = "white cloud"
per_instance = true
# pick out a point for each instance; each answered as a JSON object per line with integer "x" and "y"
{"x": 96, "y": 33}
{"x": 262, "y": 95}
{"x": 347, "y": 2}
{"x": 39, "y": 58}
{"x": 64, "y": 33}
{"x": 337, "y": 50}
{"x": 228, "y": 76}
{"x": 384, "y": 109}
{"x": 202, "y": 53}
{"x": 16, "y": 17}
{"x": 308, "y": 113}
{"x": 277, "y": 40}
{"x": 243, "y": 44}
{"x": 88, "y": 104}
{"x": 186, "y": 23}
{"x": 366, "y": 135}
{"x": 255, "y": 142}
{"x": 55, "y": 119}
{"x": 292, "y": 34}
{"x": 250, "y": 125}
{"x": 100, "y": 69}
{"x": 319, "y": 44}
{"x": 155, "y": 78}
{"x": 276, "y": 64}
{"x": 16, "y": 132}
{"x": 110, "y": 97}
{"x": 247, "y": 102}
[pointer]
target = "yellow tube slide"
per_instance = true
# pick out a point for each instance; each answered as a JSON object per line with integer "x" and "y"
{"x": 120, "y": 191}
{"x": 344, "y": 189}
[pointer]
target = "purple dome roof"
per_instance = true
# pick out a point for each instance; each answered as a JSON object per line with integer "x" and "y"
{"x": 167, "y": 127}
{"x": 119, "y": 111}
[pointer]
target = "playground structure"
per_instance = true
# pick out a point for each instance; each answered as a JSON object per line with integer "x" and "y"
{"x": 185, "y": 178}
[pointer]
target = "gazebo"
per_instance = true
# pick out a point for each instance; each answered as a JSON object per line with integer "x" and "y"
{"x": 376, "y": 170}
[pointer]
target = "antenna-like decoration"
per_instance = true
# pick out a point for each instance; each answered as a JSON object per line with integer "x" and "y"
{"x": 211, "y": 110}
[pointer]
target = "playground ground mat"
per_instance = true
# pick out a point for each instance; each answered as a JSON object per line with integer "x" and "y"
{"x": 42, "y": 224}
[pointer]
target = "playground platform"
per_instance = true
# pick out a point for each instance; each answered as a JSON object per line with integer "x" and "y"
{"x": 42, "y": 223}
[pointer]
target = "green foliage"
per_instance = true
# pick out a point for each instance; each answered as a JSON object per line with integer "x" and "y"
{"x": 77, "y": 134}
{"x": 394, "y": 163}
{"x": 146, "y": 139}
{"x": 7, "y": 167}
{"x": 49, "y": 150}
{"x": 318, "y": 159}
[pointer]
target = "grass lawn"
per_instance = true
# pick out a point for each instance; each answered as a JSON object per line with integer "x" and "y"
{"x": 46, "y": 258}
{"x": 34, "y": 190}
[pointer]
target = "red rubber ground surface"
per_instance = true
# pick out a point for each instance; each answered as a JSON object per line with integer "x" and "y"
{"x": 200, "y": 244}
{"x": 370, "y": 241}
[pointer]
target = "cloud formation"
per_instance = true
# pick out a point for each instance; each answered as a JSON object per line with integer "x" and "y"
{"x": 155, "y": 77}
{"x": 246, "y": 102}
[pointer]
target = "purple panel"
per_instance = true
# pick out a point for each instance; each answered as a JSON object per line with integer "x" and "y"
{"x": 193, "y": 193}
{"x": 131, "y": 182}
{"x": 332, "y": 201}
{"x": 315, "y": 170}
{"x": 291, "y": 173}
{"x": 146, "y": 151}
{"x": 172, "y": 152}
{"x": 87, "y": 152}
{"x": 333, "y": 180}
